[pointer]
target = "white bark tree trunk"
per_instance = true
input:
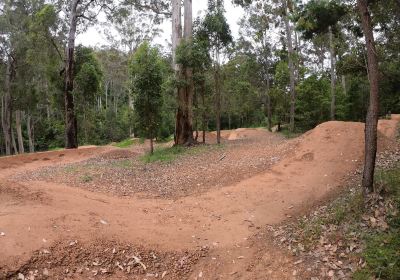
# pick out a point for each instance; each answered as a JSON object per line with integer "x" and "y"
{"x": 6, "y": 106}
{"x": 344, "y": 86}
{"x": 176, "y": 30}
{"x": 14, "y": 144}
{"x": 19, "y": 131}
{"x": 184, "y": 115}
{"x": 333, "y": 75}
{"x": 29, "y": 128}
{"x": 291, "y": 65}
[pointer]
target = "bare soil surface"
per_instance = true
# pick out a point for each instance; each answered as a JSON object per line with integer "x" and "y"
{"x": 199, "y": 217}
{"x": 121, "y": 172}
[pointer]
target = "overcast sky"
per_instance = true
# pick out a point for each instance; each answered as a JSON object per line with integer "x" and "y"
{"x": 94, "y": 37}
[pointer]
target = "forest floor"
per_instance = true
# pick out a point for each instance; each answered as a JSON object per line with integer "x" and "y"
{"x": 208, "y": 213}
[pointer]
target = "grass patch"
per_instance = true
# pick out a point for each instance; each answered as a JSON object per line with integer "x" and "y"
{"x": 166, "y": 140}
{"x": 53, "y": 149}
{"x": 122, "y": 163}
{"x": 382, "y": 252}
{"x": 128, "y": 142}
{"x": 172, "y": 153}
{"x": 352, "y": 210}
{"x": 86, "y": 178}
{"x": 164, "y": 154}
{"x": 70, "y": 169}
{"x": 288, "y": 134}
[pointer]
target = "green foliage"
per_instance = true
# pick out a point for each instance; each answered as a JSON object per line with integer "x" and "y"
{"x": 126, "y": 143}
{"x": 214, "y": 28}
{"x": 146, "y": 72}
{"x": 35, "y": 34}
{"x": 313, "y": 105}
{"x": 164, "y": 154}
{"x": 193, "y": 54}
{"x": 318, "y": 15}
{"x": 243, "y": 102}
{"x": 86, "y": 178}
{"x": 50, "y": 134}
{"x": 87, "y": 73}
{"x": 382, "y": 252}
{"x": 170, "y": 154}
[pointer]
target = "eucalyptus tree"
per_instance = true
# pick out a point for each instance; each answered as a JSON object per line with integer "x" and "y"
{"x": 321, "y": 17}
{"x": 371, "y": 125}
{"x": 183, "y": 73}
{"x": 87, "y": 80}
{"x": 79, "y": 12}
{"x": 146, "y": 71}
{"x": 84, "y": 12}
{"x": 20, "y": 22}
{"x": 216, "y": 32}
{"x": 286, "y": 9}
{"x": 194, "y": 55}
{"x": 255, "y": 29}
{"x": 128, "y": 28}
{"x": 11, "y": 30}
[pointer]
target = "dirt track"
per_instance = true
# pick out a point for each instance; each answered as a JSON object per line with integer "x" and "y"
{"x": 210, "y": 235}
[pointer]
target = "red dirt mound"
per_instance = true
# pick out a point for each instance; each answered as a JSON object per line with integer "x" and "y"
{"x": 248, "y": 133}
{"x": 52, "y": 156}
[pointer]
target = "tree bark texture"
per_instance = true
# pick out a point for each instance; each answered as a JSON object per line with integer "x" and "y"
{"x": 217, "y": 99}
{"x": 291, "y": 65}
{"x": 184, "y": 115}
{"x": 176, "y": 30}
{"x": 14, "y": 144}
{"x": 19, "y": 131}
{"x": 267, "y": 102}
{"x": 203, "y": 109}
{"x": 6, "y": 115}
{"x": 29, "y": 128}
{"x": 344, "y": 86}
{"x": 151, "y": 146}
{"x": 373, "y": 109}
{"x": 71, "y": 129}
{"x": 333, "y": 75}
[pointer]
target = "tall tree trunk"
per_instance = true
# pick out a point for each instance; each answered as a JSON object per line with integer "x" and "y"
{"x": 176, "y": 31}
{"x": 30, "y": 133}
{"x": 14, "y": 144}
{"x": 7, "y": 105}
{"x": 371, "y": 124}
{"x": 107, "y": 95}
{"x": 71, "y": 129}
{"x": 297, "y": 52}
{"x": 333, "y": 75}
{"x": 269, "y": 112}
{"x": 291, "y": 65}
{"x": 268, "y": 100}
{"x": 151, "y": 146}
{"x": 217, "y": 98}
{"x": 19, "y": 131}
{"x": 344, "y": 86}
{"x": 203, "y": 110}
{"x": 184, "y": 115}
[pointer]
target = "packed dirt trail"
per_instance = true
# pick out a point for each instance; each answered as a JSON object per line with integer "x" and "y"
{"x": 38, "y": 214}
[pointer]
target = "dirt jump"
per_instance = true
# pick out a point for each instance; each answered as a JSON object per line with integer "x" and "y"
{"x": 199, "y": 217}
